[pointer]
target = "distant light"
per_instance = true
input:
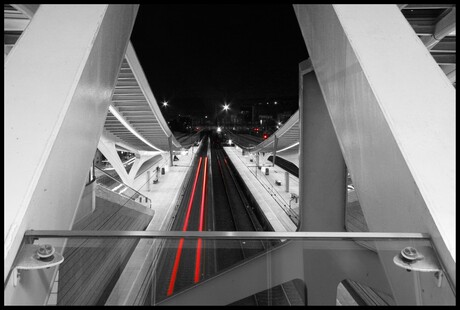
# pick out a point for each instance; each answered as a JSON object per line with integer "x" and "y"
{"x": 230, "y": 141}
{"x": 219, "y": 129}
{"x": 226, "y": 107}
{"x": 267, "y": 102}
{"x": 265, "y": 136}
{"x": 261, "y": 122}
{"x": 279, "y": 123}
{"x": 165, "y": 103}
{"x": 205, "y": 116}
{"x": 276, "y": 102}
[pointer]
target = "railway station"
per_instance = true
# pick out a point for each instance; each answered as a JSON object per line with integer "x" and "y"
{"x": 349, "y": 201}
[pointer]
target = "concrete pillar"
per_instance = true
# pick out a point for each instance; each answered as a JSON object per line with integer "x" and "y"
{"x": 406, "y": 181}
{"x": 322, "y": 182}
{"x": 171, "y": 158}
{"x": 275, "y": 145}
{"x": 108, "y": 149}
{"x": 56, "y": 100}
{"x": 139, "y": 161}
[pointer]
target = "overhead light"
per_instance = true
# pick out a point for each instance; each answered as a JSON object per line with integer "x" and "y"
{"x": 133, "y": 131}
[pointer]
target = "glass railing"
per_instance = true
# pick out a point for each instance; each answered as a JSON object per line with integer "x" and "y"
{"x": 110, "y": 183}
{"x": 228, "y": 268}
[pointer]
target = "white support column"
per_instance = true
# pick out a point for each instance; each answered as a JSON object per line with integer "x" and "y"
{"x": 275, "y": 145}
{"x": 108, "y": 149}
{"x": 398, "y": 145}
{"x": 442, "y": 28}
{"x": 322, "y": 173}
{"x": 56, "y": 98}
{"x": 27, "y": 9}
{"x": 140, "y": 159}
{"x": 171, "y": 158}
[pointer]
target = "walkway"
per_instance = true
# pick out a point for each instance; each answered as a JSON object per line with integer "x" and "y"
{"x": 272, "y": 199}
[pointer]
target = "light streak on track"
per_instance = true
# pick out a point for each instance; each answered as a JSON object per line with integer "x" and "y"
{"x": 198, "y": 248}
{"x": 172, "y": 280}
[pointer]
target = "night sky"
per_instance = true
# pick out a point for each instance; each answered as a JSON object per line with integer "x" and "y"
{"x": 199, "y": 56}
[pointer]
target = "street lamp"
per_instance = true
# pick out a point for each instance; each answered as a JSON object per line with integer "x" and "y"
{"x": 226, "y": 108}
{"x": 165, "y": 104}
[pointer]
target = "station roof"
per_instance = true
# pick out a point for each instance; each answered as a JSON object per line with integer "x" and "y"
{"x": 134, "y": 116}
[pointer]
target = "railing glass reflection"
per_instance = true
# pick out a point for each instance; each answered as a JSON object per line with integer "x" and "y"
{"x": 111, "y": 183}
{"x": 242, "y": 268}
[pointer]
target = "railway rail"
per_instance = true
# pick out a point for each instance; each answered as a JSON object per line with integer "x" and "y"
{"x": 215, "y": 201}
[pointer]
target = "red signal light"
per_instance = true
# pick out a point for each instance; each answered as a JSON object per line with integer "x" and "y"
{"x": 265, "y": 136}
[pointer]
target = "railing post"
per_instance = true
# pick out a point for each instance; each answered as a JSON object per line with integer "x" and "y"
{"x": 170, "y": 151}
{"x": 286, "y": 174}
{"x": 148, "y": 180}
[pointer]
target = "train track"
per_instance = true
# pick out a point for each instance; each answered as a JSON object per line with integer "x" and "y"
{"x": 183, "y": 262}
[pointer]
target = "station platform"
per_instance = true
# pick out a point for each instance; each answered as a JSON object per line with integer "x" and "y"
{"x": 278, "y": 206}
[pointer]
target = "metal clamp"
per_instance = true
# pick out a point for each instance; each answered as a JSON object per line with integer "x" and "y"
{"x": 422, "y": 260}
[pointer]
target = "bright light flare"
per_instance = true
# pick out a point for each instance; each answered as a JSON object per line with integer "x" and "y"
{"x": 165, "y": 103}
{"x": 226, "y": 107}
{"x": 219, "y": 129}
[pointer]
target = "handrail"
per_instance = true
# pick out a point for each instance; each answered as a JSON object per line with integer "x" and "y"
{"x": 224, "y": 234}
{"x": 147, "y": 198}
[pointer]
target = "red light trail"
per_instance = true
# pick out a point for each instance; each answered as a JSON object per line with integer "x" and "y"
{"x": 198, "y": 248}
{"x": 184, "y": 228}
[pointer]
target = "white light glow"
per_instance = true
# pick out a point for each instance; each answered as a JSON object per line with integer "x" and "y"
{"x": 219, "y": 129}
{"x": 230, "y": 141}
{"x": 226, "y": 107}
{"x": 165, "y": 103}
{"x": 122, "y": 191}
{"x": 289, "y": 147}
{"x": 129, "y": 161}
{"x": 133, "y": 131}
{"x": 114, "y": 189}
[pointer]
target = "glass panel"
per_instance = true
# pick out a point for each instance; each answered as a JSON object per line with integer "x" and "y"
{"x": 226, "y": 271}
{"x": 110, "y": 183}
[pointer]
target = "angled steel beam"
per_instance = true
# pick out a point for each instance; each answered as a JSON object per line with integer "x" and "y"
{"x": 443, "y": 28}
{"x": 27, "y": 9}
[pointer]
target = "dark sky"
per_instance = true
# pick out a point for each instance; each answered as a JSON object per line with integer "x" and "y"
{"x": 198, "y": 56}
